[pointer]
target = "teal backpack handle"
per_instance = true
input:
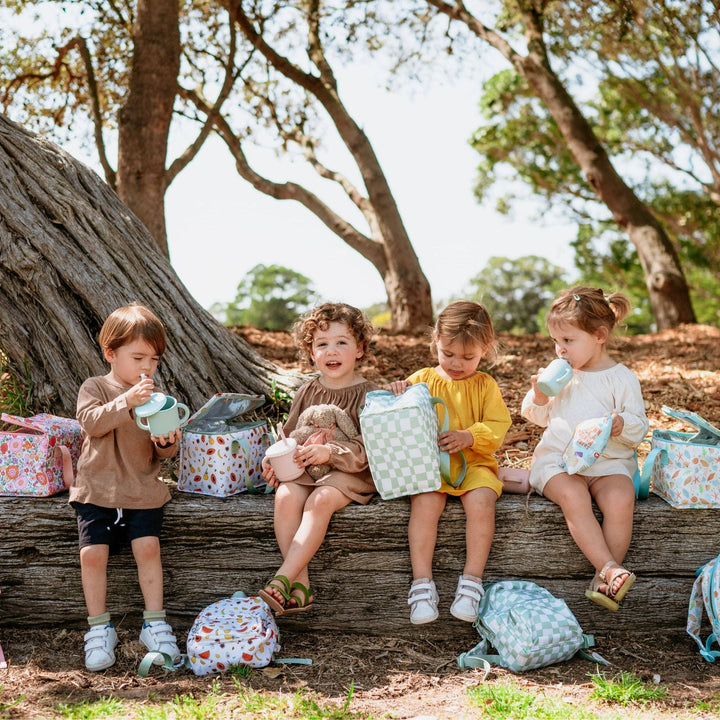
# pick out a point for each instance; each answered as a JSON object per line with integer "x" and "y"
{"x": 444, "y": 455}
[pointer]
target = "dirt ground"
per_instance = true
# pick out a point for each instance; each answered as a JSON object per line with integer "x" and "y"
{"x": 679, "y": 368}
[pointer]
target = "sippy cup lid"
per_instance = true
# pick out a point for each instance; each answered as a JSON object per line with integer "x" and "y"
{"x": 281, "y": 447}
{"x": 155, "y": 403}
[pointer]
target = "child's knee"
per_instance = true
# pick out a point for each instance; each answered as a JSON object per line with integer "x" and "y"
{"x": 146, "y": 549}
{"x": 94, "y": 557}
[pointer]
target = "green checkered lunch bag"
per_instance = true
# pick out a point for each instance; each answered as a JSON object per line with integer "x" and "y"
{"x": 528, "y": 627}
{"x": 400, "y": 433}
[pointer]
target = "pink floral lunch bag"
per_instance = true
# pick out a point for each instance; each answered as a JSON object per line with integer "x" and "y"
{"x": 41, "y": 459}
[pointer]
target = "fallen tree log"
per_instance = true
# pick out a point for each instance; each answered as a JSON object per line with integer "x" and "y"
{"x": 213, "y": 547}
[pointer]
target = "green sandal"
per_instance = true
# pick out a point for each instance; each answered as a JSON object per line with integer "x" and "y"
{"x": 283, "y": 589}
{"x": 303, "y": 603}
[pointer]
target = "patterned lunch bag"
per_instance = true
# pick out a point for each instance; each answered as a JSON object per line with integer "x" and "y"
{"x": 683, "y": 467}
{"x": 41, "y": 459}
{"x": 219, "y": 455}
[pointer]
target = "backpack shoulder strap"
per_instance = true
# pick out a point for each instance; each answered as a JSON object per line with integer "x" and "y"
{"x": 478, "y": 658}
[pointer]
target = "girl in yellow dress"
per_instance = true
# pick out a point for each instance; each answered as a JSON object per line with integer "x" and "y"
{"x": 479, "y": 419}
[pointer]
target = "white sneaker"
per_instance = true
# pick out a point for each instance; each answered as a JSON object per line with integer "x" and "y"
{"x": 157, "y": 636}
{"x": 100, "y": 642}
{"x": 467, "y": 598}
{"x": 423, "y": 600}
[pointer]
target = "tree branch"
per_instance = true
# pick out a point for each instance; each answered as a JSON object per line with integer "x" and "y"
{"x": 368, "y": 248}
{"x": 80, "y": 43}
{"x": 184, "y": 159}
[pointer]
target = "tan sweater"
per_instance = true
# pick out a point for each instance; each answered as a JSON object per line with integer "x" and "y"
{"x": 119, "y": 464}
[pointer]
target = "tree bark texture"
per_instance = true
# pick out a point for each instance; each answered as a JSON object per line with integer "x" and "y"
{"x": 361, "y": 574}
{"x": 667, "y": 288}
{"x": 144, "y": 120}
{"x": 70, "y": 254}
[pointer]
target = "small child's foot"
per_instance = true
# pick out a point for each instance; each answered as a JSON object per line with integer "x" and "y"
{"x": 100, "y": 642}
{"x": 276, "y": 594}
{"x": 157, "y": 636}
{"x": 423, "y": 600}
{"x": 467, "y": 598}
{"x": 610, "y": 586}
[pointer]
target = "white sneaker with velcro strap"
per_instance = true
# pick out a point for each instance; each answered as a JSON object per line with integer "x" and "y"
{"x": 467, "y": 598}
{"x": 100, "y": 642}
{"x": 423, "y": 601}
{"x": 157, "y": 636}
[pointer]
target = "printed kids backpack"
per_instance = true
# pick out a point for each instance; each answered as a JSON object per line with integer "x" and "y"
{"x": 706, "y": 593}
{"x": 235, "y": 631}
{"x": 528, "y": 627}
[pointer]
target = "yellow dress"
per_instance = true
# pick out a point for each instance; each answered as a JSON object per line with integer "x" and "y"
{"x": 474, "y": 404}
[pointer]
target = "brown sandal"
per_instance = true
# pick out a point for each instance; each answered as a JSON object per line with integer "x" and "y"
{"x": 606, "y": 578}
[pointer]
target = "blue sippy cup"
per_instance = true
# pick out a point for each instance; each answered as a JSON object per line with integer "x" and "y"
{"x": 555, "y": 377}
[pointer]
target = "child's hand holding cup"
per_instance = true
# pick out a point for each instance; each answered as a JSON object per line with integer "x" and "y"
{"x": 281, "y": 457}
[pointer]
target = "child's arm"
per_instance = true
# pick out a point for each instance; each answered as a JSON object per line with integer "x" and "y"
{"x": 630, "y": 423}
{"x": 98, "y": 417}
{"x": 537, "y": 413}
{"x": 489, "y": 432}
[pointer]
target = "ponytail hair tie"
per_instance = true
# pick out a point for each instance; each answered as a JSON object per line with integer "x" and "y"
{"x": 576, "y": 298}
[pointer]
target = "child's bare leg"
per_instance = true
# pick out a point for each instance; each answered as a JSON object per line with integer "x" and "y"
{"x": 573, "y": 497}
{"x": 320, "y": 506}
{"x": 615, "y": 497}
{"x": 290, "y": 499}
{"x": 479, "y": 505}
{"x": 93, "y": 568}
{"x": 150, "y": 575}
{"x": 425, "y": 511}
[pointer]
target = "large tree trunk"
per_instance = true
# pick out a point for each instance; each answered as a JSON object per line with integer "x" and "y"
{"x": 70, "y": 254}
{"x": 667, "y": 288}
{"x": 144, "y": 120}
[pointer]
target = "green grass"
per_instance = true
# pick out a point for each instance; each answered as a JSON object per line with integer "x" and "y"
{"x": 15, "y": 391}
{"x": 6, "y": 706}
{"x": 506, "y": 700}
{"x": 302, "y": 705}
{"x": 624, "y": 689}
{"x": 86, "y": 710}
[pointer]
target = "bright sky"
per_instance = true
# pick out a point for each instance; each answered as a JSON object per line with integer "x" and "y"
{"x": 219, "y": 227}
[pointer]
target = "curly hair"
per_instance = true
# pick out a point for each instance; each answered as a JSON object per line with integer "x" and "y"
{"x": 132, "y": 322}
{"x": 468, "y": 322}
{"x": 320, "y": 318}
{"x": 589, "y": 309}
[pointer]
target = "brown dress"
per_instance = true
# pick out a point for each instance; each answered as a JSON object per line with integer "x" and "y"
{"x": 350, "y": 473}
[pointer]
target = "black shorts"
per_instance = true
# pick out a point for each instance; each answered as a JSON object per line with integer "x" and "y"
{"x": 115, "y": 527}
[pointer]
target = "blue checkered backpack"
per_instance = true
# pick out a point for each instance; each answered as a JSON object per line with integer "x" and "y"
{"x": 706, "y": 594}
{"x": 528, "y": 627}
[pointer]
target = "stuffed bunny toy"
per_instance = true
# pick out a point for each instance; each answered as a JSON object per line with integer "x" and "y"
{"x": 320, "y": 424}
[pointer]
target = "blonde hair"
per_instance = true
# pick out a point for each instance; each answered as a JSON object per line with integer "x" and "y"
{"x": 320, "y": 318}
{"x": 130, "y": 323}
{"x": 468, "y": 322}
{"x": 589, "y": 309}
